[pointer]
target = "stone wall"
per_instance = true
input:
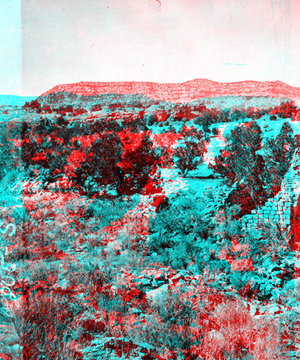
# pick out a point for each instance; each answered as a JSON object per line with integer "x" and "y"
{"x": 277, "y": 210}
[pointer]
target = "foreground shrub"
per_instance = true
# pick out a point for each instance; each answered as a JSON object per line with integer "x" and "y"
{"x": 233, "y": 332}
{"x": 42, "y": 322}
{"x": 190, "y": 154}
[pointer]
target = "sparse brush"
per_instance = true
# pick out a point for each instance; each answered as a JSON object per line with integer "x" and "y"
{"x": 235, "y": 333}
{"x": 42, "y": 324}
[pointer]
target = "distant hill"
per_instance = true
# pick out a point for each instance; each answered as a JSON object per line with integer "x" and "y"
{"x": 184, "y": 92}
{"x": 239, "y": 102}
{"x": 15, "y": 100}
{"x": 67, "y": 98}
{"x": 222, "y": 102}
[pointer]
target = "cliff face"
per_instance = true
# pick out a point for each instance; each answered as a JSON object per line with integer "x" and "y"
{"x": 183, "y": 92}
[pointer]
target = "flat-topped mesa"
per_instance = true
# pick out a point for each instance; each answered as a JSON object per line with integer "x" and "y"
{"x": 182, "y": 92}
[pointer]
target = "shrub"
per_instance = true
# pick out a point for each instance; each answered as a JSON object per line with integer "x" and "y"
{"x": 172, "y": 129}
{"x": 8, "y": 162}
{"x": 109, "y": 211}
{"x": 138, "y": 167}
{"x": 111, "y": 348}
{"x": 215, "y": 131}
{"x": 43, "y": 322}
{"x": 190, "y": 154}
{"x": 235, "y": 333}
{"x": 258, "y": 174}
{"x": 181, "y": 235}
{"x": 173, "y": 319}
{"x": 100, "y": 169}
{"x": 152, "y": 120}
{"x": 278, "y": 156}
{"x": 237, "y": 115}
{"x": 96, "y": 107}
{"x": 51, "y": 155}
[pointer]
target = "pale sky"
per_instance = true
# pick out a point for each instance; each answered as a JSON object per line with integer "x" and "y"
{"x": 49, "y": 42}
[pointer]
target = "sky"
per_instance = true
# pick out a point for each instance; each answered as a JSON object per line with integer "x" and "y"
{"x": 49, "y": 42}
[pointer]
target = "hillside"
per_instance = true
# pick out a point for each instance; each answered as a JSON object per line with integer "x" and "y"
{"x": 74, "y": 99}
{"x": 220, "y": 102}
{"x": 101, "y": 259}
{"x": 184, "y": 92}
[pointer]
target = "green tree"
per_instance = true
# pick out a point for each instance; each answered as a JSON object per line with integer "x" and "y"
{"x": 7, "y": 159}
{"x": 215, "y": 131}
{"x": 106, "y": 168}
{"x": 240, "y": 162}
{"x": 190, "y": 153}
{"x": 237, "y": 115}
{"x": 152, "y": 119}
{"x": 257, "y": 169}
{"x": 278, "y": 155}
{"x": 205, "y": 121}
{"x": 138, "y": 166}
{"x": 223, "y": 115}
{"x": 100, "y": 168}
{"x": 51, "y": 155}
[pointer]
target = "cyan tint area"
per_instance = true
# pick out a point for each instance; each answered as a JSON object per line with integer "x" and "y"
{"x": 150, "y": 229}
{"x": 145, "y": 220}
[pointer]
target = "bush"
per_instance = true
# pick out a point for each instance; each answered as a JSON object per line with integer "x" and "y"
{"x": 8, "y": 155}
{"x": 234, "y": 333}
{"x": 96, "y": 107}
{"x": 110, "y": 211}
{"x": 279, "y": 153}
{"x": 152, "y": 120}
{"x": 139, "y": 167}
{"x": 215, "y": 131}
{"x": 190, "y": 154}
{"x": 50, "y": 154}
{"x": 43, "y": 324}
{"x": 181, "y": 235}
{"x": 100, "y": 169}
{"x": 258, "y": 174}
{"x": 173, "y": 318}
{"x": 110, "y": 348}
{"x": 172, "y": 129}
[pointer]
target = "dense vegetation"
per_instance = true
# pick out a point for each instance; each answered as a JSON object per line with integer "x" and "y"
{"x": 256, "y": 169}
{"x": 113, "y": 267}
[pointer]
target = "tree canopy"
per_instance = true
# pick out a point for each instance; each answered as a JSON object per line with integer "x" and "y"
{"x": 255, "y": 167}
{"x": 190, "y": 152}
